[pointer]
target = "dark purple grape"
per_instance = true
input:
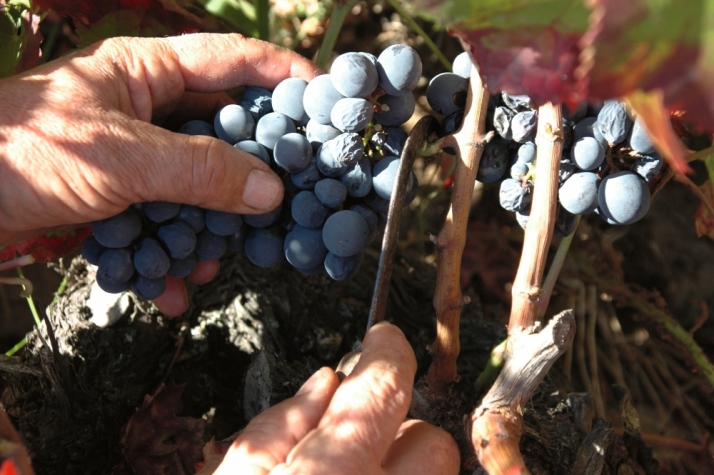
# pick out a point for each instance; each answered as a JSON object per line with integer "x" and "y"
{"x": 446, "y": 93}
{"x": 160, "y": 211}
{"x": 399, "y": 67}
{"x": 345, "y": 233}
{"x": 258, "y": 101}
{"x": 271, "y": 127}
{"x": 304, "y": 248}
{"x": 351, "y": 114}
{"x": 319, "y": 97}
{"x": 578, "y": 194}
{"x": 197, "y": 127}
{"x": 287, "y": 99}
{"x": 193, "y": 216}
{"x": 292, "y": 152}
{"x": 623, "y": 197}
{"x": 354, "y": 75}
{"x": 91, "y": 250}
{"x": 318, "y": 133}
{"x": 527, "y": 152}
{"x": 648, "y": 166}
{"x": 236, "y": 242}
{"x": 517, "y": 103}
{"x": 336, "y": 156}
{"x": 150, "y": 259}
{"x": 112, "y": 288}
{"x": 148, "y": 289}
{"x": 115, "y": 266}
{"x": 305, "y": 179}
{"x": 523, "y": 126}
{"x": 515, "y": 197}
{"x": 118, "y": 231}
{"x": 395, "y": 110}
{"x": 263, "y": 220}
{"x": 502, "y": 117}
{"x": 308, "y": 211}
{"x": 494, "y": 161}
{"x": 384, "y": 175}
{"x": 330, "y": 192}
{"x": 462, "y": 65}
{"x": 613, "y": 122}
{"x": 639, "y": 140}
{"x": 254, "y": 148}
{"x": 343, "y": 268}
{"x": 210, "y": 246}
{"x": 587, "y": 154}
{"x": 565, "y": 223}
{"x": 519, "y": 170}
{"x": 358, "y": 178}
{"x": 233, "y": 123}
{"x": 180, "y": 268}
{"x": 178, "y": 238}
{"x": 372, "y": 219}
{"x": 264, "y": 246}
{"x": 223, "y": 223}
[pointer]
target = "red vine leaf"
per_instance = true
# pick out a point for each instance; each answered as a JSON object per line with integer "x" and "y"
{"x": 47, "y": 247}
{"x": 156, "y": 440}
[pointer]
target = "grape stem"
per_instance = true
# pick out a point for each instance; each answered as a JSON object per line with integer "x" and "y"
{"x": 527, "y": 286}
{"x": 468, "y": 142}
{"x": 334, "y": 27}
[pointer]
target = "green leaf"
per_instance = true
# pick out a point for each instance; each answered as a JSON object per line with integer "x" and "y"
{"x": 10, "y": 44}
{"x": 239, "y": 14}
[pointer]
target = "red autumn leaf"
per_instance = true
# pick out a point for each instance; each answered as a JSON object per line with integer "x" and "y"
{"x": 47, "y": 247}
{"x": 156, "y": 440}
{"x": 8, "y": 468}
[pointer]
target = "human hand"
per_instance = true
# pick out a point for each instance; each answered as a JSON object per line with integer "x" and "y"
{"x": 354, "y": 428}
{"x": 77, "y": 143}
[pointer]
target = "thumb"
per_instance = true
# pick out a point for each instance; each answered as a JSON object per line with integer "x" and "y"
{"x": 204, "y": 171}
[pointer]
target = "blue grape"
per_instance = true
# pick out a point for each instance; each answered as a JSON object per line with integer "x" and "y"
{"x": 578, "y": 194}
{"x": 639, "y": 140}
{"x": 307, "y": 210}
{"x": 271, "y": 127}
{"x": 446, "y": 93}
{"x": 502, "y": 118}
{"x": 118, "y": 231}
{"x": 518, "y": 170}
{"x": 318, "y": 133}
{"x": 515, "y": 197}
{"x": 91, "y": 250}
{"x": 233, "y": 123}
{"x": 345, "y": 233}
{"x": 178, "y": 238}
{"x": 236, "y": 242}
{"x": 319, "y": 98}
{"x": 210, "y": 246}
{"x": 494, "y": 161}
{"x": 263, "y": 220}
{"x": 292, "y": 152}
{"x": 180, "y": 268}
{"x": 395, "y": 110}
{"x": 648, "y": 167}
{"x": 354, "y": 74}
{"x": 399, "y": 68}
{"x": 522, "y": 217}
{"x": 462, "y": 65}
{"x": 448, "y": 126}
{"x": 147, "y": 288}
{"x": 305, "y": 179}
{"x": 523, "y": 126}
{"x": 613, "y": 122}
{"x": 527, "y": 152}
{"x": 223, "y": 223}
{"x": 160, "y": 211}
{"x": 343, "y": 268}
{"x": 566, "y": 170}
{"x": 304, "y": 248}
{"x": 587, "y": 154}
{"x": 150, "y": 259}
{"x": 287, "y": 99}
{"x": 112, "y": 288}
{"x": 351, "y": 114}
{"x": 197, "y": 127}
{"x": 264, "y": 247}
{"x": 377, "y": 203}
{"x": 193, "y": 216}
{"x": 623, "y": 197}
{"x": 258, "y": 101}
{"x": 586, "y": 128}
{"x": 336, "y": 156}
{"x": 384, "y": 175}
{"x": 115, "y": 266}
{"x": 330, "y": 192}
{"x": 312, "y": 270}
{"x": 358, "y": 178}
{"x": 396, "y": 139}
{"x": 517, "y": 102}
{"x": 254, "y": 148}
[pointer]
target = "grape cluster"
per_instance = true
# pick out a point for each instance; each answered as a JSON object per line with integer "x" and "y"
{"x": 336, "y": 141}
{"x": 608, "y": 158}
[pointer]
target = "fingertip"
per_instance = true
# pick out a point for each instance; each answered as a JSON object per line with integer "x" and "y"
{"x": 204, "y": 272}
{"x": 174, "y": 301}
{"x": 421, "y": 448}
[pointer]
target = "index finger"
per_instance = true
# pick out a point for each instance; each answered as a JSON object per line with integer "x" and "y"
{"x": 366, "y": 411}
{"x": 212, "y": 62}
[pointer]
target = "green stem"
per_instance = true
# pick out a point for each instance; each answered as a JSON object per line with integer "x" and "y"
{"x": 492, "y": 369}
{"x": 48, "y": 45}
{"x": 16, "y": 348}
{"x": 420, "y": 31}
{"x": 554, "y": 271}
{"x": 701, "y": 154}
{"x": 31, "y": 302}
{"x": 337, "y": 18}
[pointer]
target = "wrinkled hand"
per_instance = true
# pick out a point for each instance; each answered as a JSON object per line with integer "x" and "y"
{"x": 77, "y": 143}
{"x": 353, "y": 428}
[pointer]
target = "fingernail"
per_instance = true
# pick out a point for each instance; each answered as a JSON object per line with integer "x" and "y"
{"x": 312, "y": 383}
{"x": 261, "y": 188}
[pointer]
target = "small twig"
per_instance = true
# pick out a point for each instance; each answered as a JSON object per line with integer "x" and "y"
{"x": 416, "y": 139}
{"x": 468, "y": 143}
{"x": 497, "y": 424}
{"x": 25, "y": 283}
{"x": 527, "y": 288}
{"x": 591, "y": 347}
